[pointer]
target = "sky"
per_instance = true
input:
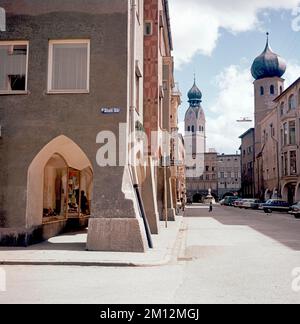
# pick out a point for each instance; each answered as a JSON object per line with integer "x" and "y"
{"x": 218, "y": 40}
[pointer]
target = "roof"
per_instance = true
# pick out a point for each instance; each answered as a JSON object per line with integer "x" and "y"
{"x": 286, "y": 90}
{"x": 247, "y": 132}
{"x": 166, "y": 3}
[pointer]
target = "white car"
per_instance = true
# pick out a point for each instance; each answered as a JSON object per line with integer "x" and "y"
{"x": 247, "y": 203}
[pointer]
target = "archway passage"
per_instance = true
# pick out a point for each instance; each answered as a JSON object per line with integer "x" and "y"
{"x": 59, "y": 188}
{"x": 197, "y": 198}
{"x": 289, "y": 193}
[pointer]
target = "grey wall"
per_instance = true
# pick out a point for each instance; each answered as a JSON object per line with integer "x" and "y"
{"x": 30, "y": 121}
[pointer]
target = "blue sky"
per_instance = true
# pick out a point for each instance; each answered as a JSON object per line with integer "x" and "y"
{"x": 221, "y": 52}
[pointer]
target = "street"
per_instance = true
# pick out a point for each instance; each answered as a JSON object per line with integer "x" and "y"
{"x": 227, "y": 256}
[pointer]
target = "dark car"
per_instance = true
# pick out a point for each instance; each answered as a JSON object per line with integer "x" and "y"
{"x": 295, "y": 210}
{"x": 256, "y": 204}
{"x": 276, "y": 205}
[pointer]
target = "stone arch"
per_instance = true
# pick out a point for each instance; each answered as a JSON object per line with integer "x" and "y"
{"x": 297, "y": 194}
{"x": 73, "y": 156}
{"x": 288, "y": 192}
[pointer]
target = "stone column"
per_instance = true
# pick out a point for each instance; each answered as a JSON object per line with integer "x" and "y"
{"x": 116, "y": 224}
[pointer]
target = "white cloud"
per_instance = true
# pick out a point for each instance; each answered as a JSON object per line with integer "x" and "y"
{"x": 235, "y": 100}
{"x": 196, "y": 24}
{"x": 292, "y": 72}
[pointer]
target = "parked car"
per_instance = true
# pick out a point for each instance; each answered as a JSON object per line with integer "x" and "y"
{"x": 295, "y": 210}
{"x": 230, "y": 200}
{"x": 276, "y": 205}
{"x": 247, "y": 203}
{"x": 238, "y": 203}
{"x": 222, "y": 202}
{"x": 257, "y": 204}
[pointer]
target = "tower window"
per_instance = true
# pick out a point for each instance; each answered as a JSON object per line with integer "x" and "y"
{"x": 262, "y": 91}
{"x": 148, "y": 28}
{"x": 272, "y": 90}
{"x": 189, "y": 128}
{"x": 193, "y": 129}
{"x": 281, "y": 89}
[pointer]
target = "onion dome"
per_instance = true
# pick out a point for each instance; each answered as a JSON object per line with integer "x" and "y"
{"x": 195, "y": 95}
{"x": 268, "y": 64}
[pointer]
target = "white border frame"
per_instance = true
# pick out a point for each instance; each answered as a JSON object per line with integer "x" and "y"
{"x": 50, "y": 62}
{"x": 9, "y": 43}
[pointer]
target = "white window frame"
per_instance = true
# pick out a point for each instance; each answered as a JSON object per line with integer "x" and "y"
{"x": 50, "y": 65}
{"x": 16, "y": 92}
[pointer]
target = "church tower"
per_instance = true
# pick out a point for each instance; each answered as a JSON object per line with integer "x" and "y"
{"x": 195, "y": 138}
{"x": 267, "y": 70}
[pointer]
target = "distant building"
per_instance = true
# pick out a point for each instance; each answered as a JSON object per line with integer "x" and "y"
{"x": 229, "y": 174}
{"x": 276, "y": 139}
{"x": 288, "y": 138}
{"x": 247, "y": 164}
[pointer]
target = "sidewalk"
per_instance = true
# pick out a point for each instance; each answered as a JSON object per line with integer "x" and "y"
{"x": 69, "y": 250}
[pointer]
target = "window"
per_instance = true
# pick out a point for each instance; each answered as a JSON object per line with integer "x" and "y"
{"x": 272, "y": 90}
{"x": 282, "y": 109}
{"x": 281, "y": 89}
{"x": 293, "y": 163}
{"x": 189, "y": 128}
{"x": 69, "y": 64}
{"x": 285, "y": 134}
{"x": 292, "y": 103}
{"x": 207, "y": 168}
{"x": 193, "y": 129}
{"x": 262, "y": 91}
{"x": 292, "y": 133}
{"x": 13, "y": 67}
{"x": 137, "y": 89}
{"x": 148, "y": 28}
{"x": 2, "y": 19}
{"x": 285, "y": 163}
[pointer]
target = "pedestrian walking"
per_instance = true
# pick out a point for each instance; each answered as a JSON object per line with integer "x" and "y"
{"x": 211, "y": 207}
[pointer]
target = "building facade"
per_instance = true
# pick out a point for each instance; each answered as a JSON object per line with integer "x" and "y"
{"x": 158, "y": 96}
{"x": 78, "y": 82}
{"x": 229, "y": 174}
{"x": 247, "y": 164}
{"x": 276, "y": 158}
{"x": 288, "y": 109}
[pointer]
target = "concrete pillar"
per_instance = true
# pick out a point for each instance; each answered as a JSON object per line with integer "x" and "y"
{"x": 174, "y": 191}
{"x": 170, "y": 202}
{"x": 160, "y": 192}
{"x": 116, "y": 224}
{"x": 149, "y": 196}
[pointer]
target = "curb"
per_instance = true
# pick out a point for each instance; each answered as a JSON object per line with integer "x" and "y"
{"x": 163, "y": 262}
